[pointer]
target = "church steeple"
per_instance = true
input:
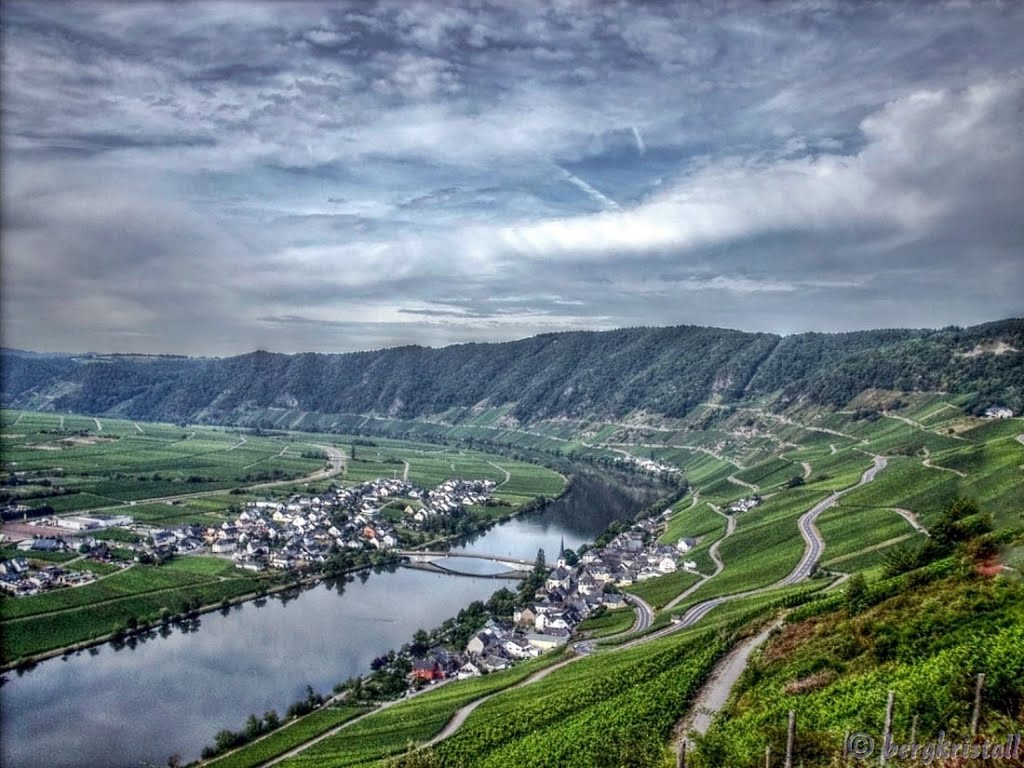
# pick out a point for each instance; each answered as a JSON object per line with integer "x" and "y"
{"x": 561, "y": 554}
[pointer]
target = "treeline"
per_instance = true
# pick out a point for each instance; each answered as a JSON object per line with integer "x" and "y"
{"x": 580, "y": 374}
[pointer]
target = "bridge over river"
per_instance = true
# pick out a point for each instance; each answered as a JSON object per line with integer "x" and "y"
{"x": 433, "y": 561}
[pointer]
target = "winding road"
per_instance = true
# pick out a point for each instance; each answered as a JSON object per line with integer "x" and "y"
{"x": 815, "y": 545}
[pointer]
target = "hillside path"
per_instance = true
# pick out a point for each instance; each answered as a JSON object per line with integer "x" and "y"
{"x": 715, "y": 692}
{"x": 928, "y": 463}
{"x": 736, "y": 481}
{"x": 730, "y": 528}
{"x": 911, "y": 517}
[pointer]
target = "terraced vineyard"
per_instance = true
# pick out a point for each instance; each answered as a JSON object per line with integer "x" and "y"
{"x": 621, "y": 703}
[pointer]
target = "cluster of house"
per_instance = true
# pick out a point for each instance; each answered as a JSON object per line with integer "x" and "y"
{"x": 998, "y": 412}
{"x": 21, "y": 579}
{"x": 743, "y": 505}
{"x": 568, "y": 596}
{"x": 633, "y": 556}
{"x": 302, "y": 531}
{"x": 648, "y": 465}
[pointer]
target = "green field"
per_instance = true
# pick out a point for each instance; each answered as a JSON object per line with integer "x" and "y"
{"x": 611, "y": 623}
{"x": 391, "y": 730}
{"x": 660, "y": 590}
{"x": 56, "y": 619}
{"x": 287, "y": 737}
{"x": 132, "y": 468}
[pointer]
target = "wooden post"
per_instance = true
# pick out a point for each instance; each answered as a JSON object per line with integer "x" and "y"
{"x": 977, "y": 704}
{"x": 887, "y": 730}
{"x": 790, "y": 738}
{"x": 913, "y": 730}
{"x": 768, "y": 756}
{"x": 681, "y": 758}
{"x": 846, "y": 745}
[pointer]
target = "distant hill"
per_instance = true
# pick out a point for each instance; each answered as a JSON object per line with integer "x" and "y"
{"x": 608, "y": 374}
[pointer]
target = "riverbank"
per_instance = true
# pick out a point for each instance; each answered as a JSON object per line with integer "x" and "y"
{"x": 25, "y": 663}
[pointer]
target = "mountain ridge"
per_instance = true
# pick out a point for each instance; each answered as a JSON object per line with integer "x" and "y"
{"x": 661, "y": 370}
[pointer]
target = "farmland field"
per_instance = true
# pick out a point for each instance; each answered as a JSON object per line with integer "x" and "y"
{"x": 163, "y": 475}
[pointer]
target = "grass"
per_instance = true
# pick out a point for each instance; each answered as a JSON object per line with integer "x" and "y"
{"x": 63, "y": 617}
{"x": 848, "y": 529}
{"x": 288, "y": 737}
{"x": 121, "y": 464}
{"x": 835, "y": 670}
{"x": 133, "y": 467}
{"x": 389, "y": 731}
{"x": 660, "y": 590}
{"x": 688, "y": 521}
{"x": 765, "y": 547}
{"x": 610, "y": 623}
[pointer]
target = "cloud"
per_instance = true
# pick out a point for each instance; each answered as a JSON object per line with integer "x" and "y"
{"x": 337, "y": 176}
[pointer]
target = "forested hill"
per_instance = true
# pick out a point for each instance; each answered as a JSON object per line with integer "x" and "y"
{"x": 582, "y": 374}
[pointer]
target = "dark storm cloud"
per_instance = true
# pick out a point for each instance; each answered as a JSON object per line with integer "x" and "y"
{"x": 214, "y": 177}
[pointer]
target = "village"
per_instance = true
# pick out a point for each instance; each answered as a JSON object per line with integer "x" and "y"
{"x": 295, "y": 534}
{"x": 300, "y": 533}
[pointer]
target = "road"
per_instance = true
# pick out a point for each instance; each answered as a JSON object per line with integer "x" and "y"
{"x": 812, "y": 538}
{"x": 814, "y": 546}
{"x": 508, "y": 475}
{"x": 736, "y": 481}
{"x": 644, "y": 613}
{"x": 911, "y": 518}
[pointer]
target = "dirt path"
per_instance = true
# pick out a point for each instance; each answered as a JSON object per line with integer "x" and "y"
{"x": 334, "y": 456}
{"x": 715, "y": 692}
{"x": 928, "y": 463}
{"x": 736, "y": 481}
{"x": 277, "y": 455}
{"x": 807, "y": 469}
{"x": 405, "y": 472}
{"x": 61, "y": 423}
{"x": 331, "y": 732}
{"x": 872, "y": 548}
{"x": 241, "y": 442}
{"x": 99, "y": 425}
{"x": 815, "y": 545}
{"x": 911, "y": 518}
{"x": 141, "y": 430}
{"x": 508, "y": 475}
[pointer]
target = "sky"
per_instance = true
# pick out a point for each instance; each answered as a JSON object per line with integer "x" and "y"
{"x": 214, "y": 178}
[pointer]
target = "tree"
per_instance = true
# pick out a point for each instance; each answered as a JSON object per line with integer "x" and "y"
{"x": 856, "y": 597}
{"x": 271, "y": 719}
{"x": 253, "y": 726}
{"x": 420, "y": 642}
{"x": 540, "y": 564}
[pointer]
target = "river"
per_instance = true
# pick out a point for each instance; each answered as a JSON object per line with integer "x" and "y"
{"x": 171, "y": 693}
